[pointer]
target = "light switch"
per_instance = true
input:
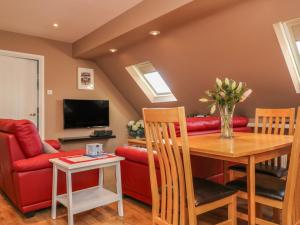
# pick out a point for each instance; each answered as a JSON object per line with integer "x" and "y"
{"x": 49, "y": 92}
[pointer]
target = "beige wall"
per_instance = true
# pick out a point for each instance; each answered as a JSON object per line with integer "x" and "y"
{"x": 61, "y": 77}
{"x": 238, "y": 42}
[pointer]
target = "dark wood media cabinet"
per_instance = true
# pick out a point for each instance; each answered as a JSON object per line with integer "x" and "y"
{"x": 85, "y": 138}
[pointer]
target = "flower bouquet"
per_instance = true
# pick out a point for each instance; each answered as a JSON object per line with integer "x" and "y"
{"x": 136, "y": 129}
{"x": 225, "y": 96}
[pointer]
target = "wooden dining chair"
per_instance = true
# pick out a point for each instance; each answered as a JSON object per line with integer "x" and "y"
{"x": 273, "y": 121}
{"x": 180, "y": 198}
{"x": 275, "y": 192}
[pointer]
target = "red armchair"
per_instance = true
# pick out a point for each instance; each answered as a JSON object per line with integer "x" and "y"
{"x": 25, "y": 170}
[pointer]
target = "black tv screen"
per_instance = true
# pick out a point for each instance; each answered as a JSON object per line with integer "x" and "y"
{"x": 85, "y": 113}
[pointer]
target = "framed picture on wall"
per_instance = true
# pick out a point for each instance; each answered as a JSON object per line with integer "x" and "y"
{"x": 85, "y": 79}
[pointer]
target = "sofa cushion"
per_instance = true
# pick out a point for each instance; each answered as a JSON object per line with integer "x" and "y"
{"x": 41, "y": 161}
{"x": 136, "y": 154}
{"x": 237, "y": 129}
{"x": 209, "y": 123}
{"x": 25, "y": 133}
{"x": 205, "y": 123}
{"x": 240, "y": 121}
{"x": 200, "y": 124}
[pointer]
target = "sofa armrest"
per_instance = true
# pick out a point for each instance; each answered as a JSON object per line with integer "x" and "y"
{"x": 54, "y": 143}
{"x": 41, "y": 161}
{"x": 136, "y": 154}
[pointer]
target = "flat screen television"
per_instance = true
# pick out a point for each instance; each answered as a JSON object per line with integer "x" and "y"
{"x": 85, "y": 113}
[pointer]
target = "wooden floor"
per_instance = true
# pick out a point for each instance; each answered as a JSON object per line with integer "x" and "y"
{"x": 136, "y": 213}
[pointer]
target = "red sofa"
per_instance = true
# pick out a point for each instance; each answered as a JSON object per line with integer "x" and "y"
{"x": 135, "y": 170}
{"x": 25, "y": 171}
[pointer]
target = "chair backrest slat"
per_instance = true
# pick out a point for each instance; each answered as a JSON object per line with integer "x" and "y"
{"x": 276, "y": 127}
{"x": 179, "y": 164}
{"x": 176, "y": 193}
{"x": 273, "y": 121}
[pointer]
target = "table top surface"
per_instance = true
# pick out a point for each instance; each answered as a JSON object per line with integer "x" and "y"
{"x": 95, "y": 163}
{"x": 242, "y": 144}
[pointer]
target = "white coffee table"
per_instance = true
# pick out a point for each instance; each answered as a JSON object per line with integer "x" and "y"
{"x": 89, "y": 198}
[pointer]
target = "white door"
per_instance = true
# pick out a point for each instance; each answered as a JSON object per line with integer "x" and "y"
{"x": 19, "y": 88}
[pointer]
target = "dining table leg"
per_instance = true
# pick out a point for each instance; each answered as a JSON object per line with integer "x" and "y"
{"x": 225, "y": 172}
{"x": 251, "y": 190}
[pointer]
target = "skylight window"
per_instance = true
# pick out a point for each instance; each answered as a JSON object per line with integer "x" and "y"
{"x": 288, "y": 34}
{"x": 158, "y": 84}
{"x": 151, "y": 82}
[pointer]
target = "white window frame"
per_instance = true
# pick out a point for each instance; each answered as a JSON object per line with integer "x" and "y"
{"x": 139, "y": 78}
{"x": 289, "y": 49}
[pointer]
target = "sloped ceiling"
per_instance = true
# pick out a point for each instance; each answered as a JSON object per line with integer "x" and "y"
{"x": 237, "y": 42}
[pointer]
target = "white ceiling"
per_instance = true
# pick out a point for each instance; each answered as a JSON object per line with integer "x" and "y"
{"x": 76, "y": 18}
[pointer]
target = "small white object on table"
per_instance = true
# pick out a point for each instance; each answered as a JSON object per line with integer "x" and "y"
{"x": 89, "y": 198}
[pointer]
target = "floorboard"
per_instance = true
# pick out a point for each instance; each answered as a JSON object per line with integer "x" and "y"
{"x": 136, "y": 213}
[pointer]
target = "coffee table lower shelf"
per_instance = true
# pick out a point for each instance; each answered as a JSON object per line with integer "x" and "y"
{"x": 89, "y": 198}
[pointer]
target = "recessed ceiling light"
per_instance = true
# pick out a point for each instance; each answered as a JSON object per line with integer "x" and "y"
{"x": 113, "y": 50}
{"x": 154, "y": 32}
{"x": 55, "y": 25}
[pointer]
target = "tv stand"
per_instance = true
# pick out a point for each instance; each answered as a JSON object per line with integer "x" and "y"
{"x": 85, "y": 138}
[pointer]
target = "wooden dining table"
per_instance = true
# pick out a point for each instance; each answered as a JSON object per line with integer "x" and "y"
{"x": 244, "y": 148}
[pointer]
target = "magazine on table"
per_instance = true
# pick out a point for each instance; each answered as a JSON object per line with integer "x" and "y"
{"x": 85, "y": 158}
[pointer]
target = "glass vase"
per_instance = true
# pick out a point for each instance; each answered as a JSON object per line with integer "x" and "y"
{"x": 226, "y": 114}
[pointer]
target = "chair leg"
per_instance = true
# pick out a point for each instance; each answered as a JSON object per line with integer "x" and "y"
{"x": 232, "y": 210}
{"x": 225, "y": 172}
{"x": 194, "y": 221}
{"x": 231, "y": 175}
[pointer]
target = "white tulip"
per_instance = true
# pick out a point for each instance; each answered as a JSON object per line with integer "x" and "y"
{"x": 203, "y": 100}
{"x": 226, "y": 81}
{"x": 240, "y": 86}
{"x": 222, "y": 94}
{"x": 219, "y": 82}
{"x": 246, "y": 95}
{"x": 233, "y": 85}
{"x": 213, "y": 109}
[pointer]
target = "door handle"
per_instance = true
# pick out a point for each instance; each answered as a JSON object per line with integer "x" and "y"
{"x": 32, "y": 114}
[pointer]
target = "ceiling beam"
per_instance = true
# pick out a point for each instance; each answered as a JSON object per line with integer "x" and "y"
{"x": 134, "y": 25}
{"x": 135, "y": 17}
